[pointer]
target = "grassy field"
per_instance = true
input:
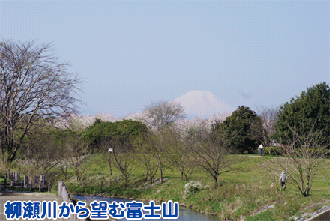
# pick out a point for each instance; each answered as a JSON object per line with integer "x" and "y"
{"x": 245, "y": 190}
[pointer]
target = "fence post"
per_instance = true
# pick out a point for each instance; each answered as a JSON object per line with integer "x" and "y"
{"x": 26, "y": 181}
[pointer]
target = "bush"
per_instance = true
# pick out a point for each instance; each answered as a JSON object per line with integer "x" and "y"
{"x": 313, "y": 152}
{"x": 305, "y": 113}
{"x": 242, "y": 130}
{"x": 272, "y": 151}
{"x": 192, "y": 187}
{"x": 277, "y": 151}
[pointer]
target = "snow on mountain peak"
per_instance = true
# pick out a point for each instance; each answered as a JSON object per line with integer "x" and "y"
{"x": 202, "y": 103}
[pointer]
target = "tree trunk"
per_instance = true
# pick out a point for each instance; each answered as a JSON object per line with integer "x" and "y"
{"x": 12, "y": 155}
{"x": 215, "y": 178}
{"x": 161, "y": 173}
{"x": 110, "y": 168}
{"x": 146, "y": 175}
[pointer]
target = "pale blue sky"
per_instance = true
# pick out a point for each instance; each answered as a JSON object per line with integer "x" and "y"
{"x": 130, "y": 53}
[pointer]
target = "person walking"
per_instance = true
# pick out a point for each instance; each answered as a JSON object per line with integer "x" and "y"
{"x": 283, "y": 180}
{"x": 260, "y": 149}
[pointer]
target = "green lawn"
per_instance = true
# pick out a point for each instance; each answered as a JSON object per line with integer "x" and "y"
{"x": 243, "y": 189}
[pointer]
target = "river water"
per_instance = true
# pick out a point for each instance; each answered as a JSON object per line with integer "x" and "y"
{"x": 184, "y": 214}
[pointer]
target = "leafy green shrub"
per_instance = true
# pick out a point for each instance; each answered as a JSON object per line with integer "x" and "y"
{"x": 273, "y": 150}
{"x": 241, "y": 130}
{"x": 306, "y": 112}
{"x": 276, "y": 151}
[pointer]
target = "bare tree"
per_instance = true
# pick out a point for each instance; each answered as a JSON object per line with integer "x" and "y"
{"x": 269, "y": 118}
{"x": 73, "y": 148}
{"x": 211, "y": 153}
{"x": 121, "y": 155}
{"x": 304, "y": 158}
{"x": 64, "y": 165}
{"x": 40, "y": 153}
{"x": 164, "y": 113}
{"x": 159, "y": 148}
{"x": 106, "y": 151}
{"x": 178, "y": 153}
{"x": 144, "y": 146}
{"x": 258, "y": 132}
{"x": 154, "y": 148}
{"x": 33, "y": 85}
{"x": 75, "y": 151}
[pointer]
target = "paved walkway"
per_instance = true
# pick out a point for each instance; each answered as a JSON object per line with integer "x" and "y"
{"x": 26, "y": 197}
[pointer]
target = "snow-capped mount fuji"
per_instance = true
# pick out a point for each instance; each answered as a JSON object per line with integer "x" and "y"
{"x": 202, "y": 104}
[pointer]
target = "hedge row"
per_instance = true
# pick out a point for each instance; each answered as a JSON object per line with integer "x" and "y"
{"x": 276, "y": 151}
